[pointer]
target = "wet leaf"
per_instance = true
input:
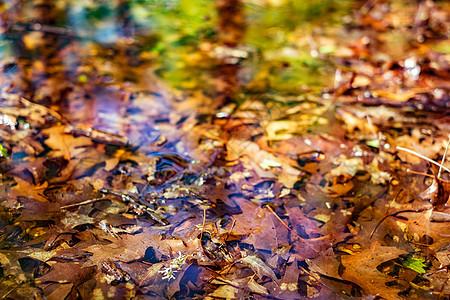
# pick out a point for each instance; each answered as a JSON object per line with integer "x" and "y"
{"x": 63, "y": 144}
{"x": 3, "y": 151}
{"x": 361, "y": 268}
{"x": 223, "y": 149}
{"x": 257, "y": 288}
{"x": 415, "y": 264}
{"x": 259, "y": 267}
{"x": 26, "y": 189}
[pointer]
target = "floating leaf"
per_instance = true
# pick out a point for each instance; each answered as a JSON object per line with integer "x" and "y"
{"x": 415, "y": 264}
{"x": 373, "y": 143}
{"x": 3, "y": 151}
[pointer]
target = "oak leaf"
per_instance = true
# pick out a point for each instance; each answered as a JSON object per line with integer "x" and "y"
{"x": 361, "y": 268}
{"x": 26, "y": 189}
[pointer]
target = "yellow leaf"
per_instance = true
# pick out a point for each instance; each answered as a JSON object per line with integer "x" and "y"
{"x": 26, "y": 189}
{"x": 257, "y": 288}
{"x": 64, "y": 144}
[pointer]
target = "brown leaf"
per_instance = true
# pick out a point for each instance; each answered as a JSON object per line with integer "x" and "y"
{"x": 287, "y": 287}
{"x": 224, "y": 292}
{"x": 437, "y": 193}
{"x": 361, "y": 268}
{"x": 60, "y": 292}
{"x": 325, "y": 264}
{"x": 64, "y": 144}
{"x": 420, "y": 224}
{"x": 255, "y": 287}
{"x": 74, "y": 273}
{"x": 120, "y": 249}
{"x": 26, "y": 189}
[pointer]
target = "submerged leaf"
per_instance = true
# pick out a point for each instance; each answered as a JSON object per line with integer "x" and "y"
{"x": 257, "y": 288}
{"x": 259, "y": 267}
{"x": 26, "y": 189}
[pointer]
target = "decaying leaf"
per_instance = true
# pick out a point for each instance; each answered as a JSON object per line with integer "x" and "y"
{"x": 64, "y": 144}
{"x": 325, "y": 264}
{"x": 438, "y": 193}
{"x": 258, "y": 266}
{"x": 224, "y": 292}
{"x": 254, "y": 287}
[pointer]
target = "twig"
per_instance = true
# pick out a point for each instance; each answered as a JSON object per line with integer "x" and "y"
{"x": 98, "y": 136}
{"x": 82, "y": 203}
{"x": 393, "y": 215}
{"x": 231, "y": 230}
{"x": 419, "y": 173}
{"x": 129, "y": 197}
{"x": 290, "y": 229}
{"x": 443, "y": 158}
{"x": 423, "y": 157}
{"x": 203, "y": 225}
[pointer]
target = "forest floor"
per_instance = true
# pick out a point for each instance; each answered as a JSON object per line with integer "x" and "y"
{"x": 241, "y": 154}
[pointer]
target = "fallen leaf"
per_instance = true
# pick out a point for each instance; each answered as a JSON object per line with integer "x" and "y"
{"x": 63, "y": 144}
{"x": 361, "y": 268}
{"x": 258, "y": 266}
{"x": 60, "y": 292}
{"x": 438, "y": 193}
{"x": 224, "y": 292}
{"x": 255, "y": 287}
{"x": 26, "y": 189}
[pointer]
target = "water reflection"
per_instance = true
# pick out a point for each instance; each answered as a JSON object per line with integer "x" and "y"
{"x": 184, "y": 42}
{"x": 155, "y": 72}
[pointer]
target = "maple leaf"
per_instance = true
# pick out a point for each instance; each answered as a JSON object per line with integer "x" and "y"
{"x": 361, "y": 268}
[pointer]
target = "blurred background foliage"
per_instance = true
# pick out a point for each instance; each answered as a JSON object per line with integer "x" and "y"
{"x": 175, "y": 36}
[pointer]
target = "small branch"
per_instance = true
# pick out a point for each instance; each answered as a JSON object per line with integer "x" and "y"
{"x": 423, "y": 157}
{"x": 144, "y": 205}
{"x": 393, "y": 215}
{"x": 82, "y": 203}
{"x": 443, "y": 158}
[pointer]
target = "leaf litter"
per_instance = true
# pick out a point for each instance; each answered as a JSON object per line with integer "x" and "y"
{"x": 220, "y": 163}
